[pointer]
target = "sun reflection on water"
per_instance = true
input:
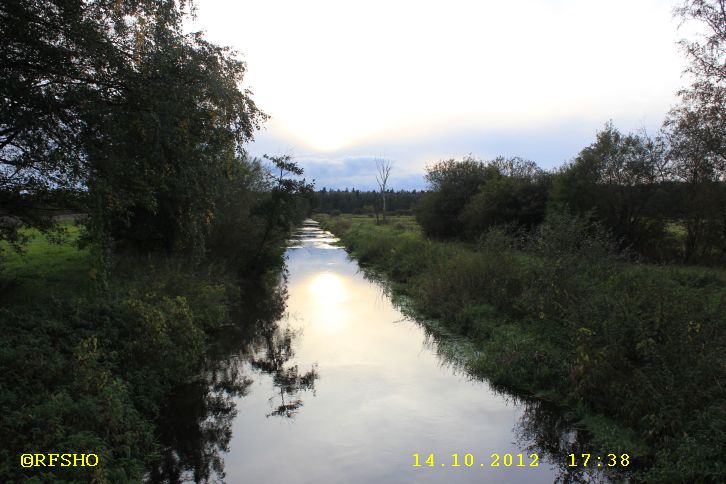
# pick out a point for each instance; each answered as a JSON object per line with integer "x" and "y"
{"x": 327, "y": 288}
{"x": 328, "y": 292}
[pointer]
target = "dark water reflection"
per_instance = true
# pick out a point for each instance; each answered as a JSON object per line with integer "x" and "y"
{"x": 333, "y": 383}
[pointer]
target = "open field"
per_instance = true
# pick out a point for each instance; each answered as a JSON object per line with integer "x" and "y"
{"x": 45, "y": 268}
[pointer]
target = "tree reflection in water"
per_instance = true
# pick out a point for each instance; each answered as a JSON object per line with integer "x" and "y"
{"x": 290, "y": 382}
{"x": 195, "y": 424}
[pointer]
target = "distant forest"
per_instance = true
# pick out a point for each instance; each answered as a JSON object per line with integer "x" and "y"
{"x": 364, "y": 202}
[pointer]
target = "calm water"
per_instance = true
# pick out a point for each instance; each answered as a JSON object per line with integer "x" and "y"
{"x": 338, "y": 385}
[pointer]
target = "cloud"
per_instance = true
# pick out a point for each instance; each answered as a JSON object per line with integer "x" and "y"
{"x": 547, "y": 144}
{"x": 419, "y": 81}
{"x": 335, "y": 74}
{"x": 356, "y": 172}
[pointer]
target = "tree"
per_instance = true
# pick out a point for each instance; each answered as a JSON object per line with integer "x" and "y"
{"x": 516, "y": 197}
{"x": 517, "y": 167}
{"x": 615, "y": 178}
{"x": 451, "y": 185}
{"x": 113, "y": 101}
{"x": 177, "y": 135}
{"x": 695, "y": 164}
{"x": 701, "y": 116}
{"x": 281, "y": 207}
{"x": 61, "y": 64}
{"x": 696, "y": 130}
{"x": 708, "y": 55}
{"x": 383, "y": 170}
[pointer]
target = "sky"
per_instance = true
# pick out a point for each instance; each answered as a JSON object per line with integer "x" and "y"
{"x": 415, "y": 82}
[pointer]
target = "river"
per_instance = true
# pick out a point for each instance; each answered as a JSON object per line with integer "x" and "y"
{"x": 339, "y": 385}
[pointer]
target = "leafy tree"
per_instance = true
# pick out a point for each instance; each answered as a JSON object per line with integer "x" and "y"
{"x": 703, "y": 196}
{"x": 517, "y": 197}
{"x": 451, "y": 185}
{"x": 236, "y": 229}
{"x": 177, "y": 138}
{"x": 111, "y": 100}
{"x": 707, "y": 55}
{"x": 282, "y": 208}
{"x": 61, "y": 62}
{"x": 696, "y": 130}
{"x": 615, "y": 179}
{"x": 517, "y": 167}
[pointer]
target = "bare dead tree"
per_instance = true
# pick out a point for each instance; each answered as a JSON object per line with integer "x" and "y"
{"x": 383, "y": 170}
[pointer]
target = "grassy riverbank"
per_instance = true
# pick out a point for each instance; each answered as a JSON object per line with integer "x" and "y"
{"x": 633, "y": 351}
{"x": 86, "y": 371}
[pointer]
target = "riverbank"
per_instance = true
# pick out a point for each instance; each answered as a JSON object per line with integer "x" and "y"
{"x": 88, "y": 371}
{"x": 634, "y": 352}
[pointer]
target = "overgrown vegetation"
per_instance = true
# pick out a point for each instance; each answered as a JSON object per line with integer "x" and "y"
{"x": 110, "y": 111}
{"x": 87, "y": 371}
{"x": 633, "y": 350}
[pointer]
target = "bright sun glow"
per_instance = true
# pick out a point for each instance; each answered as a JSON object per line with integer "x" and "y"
{"x": 334, "y": 74}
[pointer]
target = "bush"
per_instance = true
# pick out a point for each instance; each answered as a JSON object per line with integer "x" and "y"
{"x": 452, "y": 184}
{"x": 90, "y": 373}
{"x": 505, "y": 201}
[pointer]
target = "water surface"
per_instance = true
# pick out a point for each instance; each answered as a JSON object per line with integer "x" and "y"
{"x": 342, "y": 387}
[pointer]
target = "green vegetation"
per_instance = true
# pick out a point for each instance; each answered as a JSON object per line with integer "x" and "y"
{"x": 112, "y": 112}
{"x": 545, "y": 272}
{"x": 44, "y": 267}
{"x": 634, "y": 351}
{"x": 87, "y": 371}
{"x": 467, "y": 197}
